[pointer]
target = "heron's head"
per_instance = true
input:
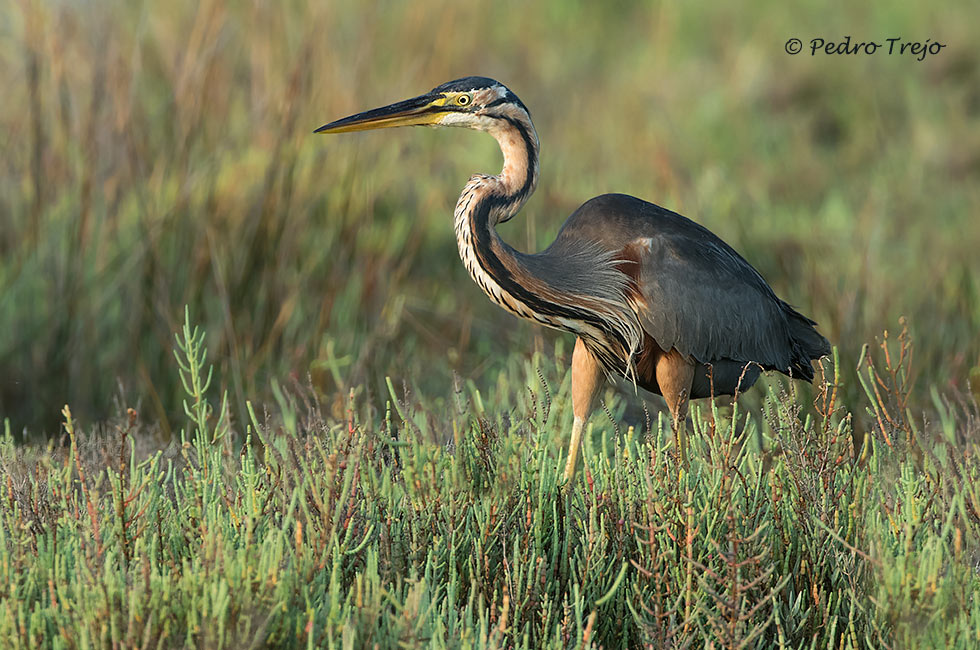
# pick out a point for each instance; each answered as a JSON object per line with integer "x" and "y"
{"x": 472, "y": 102}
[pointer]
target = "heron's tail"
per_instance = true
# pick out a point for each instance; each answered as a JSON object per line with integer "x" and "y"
{"x": 808, "y": 344}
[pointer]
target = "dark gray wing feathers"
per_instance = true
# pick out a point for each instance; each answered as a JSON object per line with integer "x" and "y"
{"x": 710, "y": 305}
{"x": 701, "y": 296}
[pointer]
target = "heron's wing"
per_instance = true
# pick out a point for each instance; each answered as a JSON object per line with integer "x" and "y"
{"x": 694, "y": 292}
{"x": 699, "y": 296}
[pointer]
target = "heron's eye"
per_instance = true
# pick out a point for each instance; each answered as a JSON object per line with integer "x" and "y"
{"x": 463, "y": 100}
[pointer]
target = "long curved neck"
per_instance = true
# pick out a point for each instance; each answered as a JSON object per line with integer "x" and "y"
{"x": 510, "y": 189}
{"x": 489, "y": 200}
{"x": 519, "y": 177}
{"x": 603, "y": 319}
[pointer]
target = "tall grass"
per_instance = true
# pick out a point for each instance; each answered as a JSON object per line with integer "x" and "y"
{"x": 438, "y": 522}
{"x": 374, "y": 459}
{"x": 160, "y": 156}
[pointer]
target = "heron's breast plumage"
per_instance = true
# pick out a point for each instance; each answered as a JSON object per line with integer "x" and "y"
{"x": 606, "y": 322}
{"x": 472, "y": 193}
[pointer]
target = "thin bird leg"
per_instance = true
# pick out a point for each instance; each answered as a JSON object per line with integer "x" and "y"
{"x": 675, "y": 375}
{"x": 586, "y": 382}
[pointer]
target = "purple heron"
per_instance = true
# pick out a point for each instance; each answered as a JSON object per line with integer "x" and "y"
{"x": 651, "y": 295}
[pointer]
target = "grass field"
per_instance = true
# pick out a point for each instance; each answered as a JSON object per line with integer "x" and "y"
{"x": 374, "y": 459}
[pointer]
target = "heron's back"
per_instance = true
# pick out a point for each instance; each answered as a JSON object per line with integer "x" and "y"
{"x": 694, "y": 292}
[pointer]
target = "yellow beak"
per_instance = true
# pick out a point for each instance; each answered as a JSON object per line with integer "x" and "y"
{"x": 421, "y": 110}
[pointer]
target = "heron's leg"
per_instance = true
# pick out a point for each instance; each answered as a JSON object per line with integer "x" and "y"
{"x": 586, "y": 382}
{"x": 675, "y": 374}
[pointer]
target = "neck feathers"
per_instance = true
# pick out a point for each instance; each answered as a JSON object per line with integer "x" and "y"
{"x": 489, "y": 200}
{"x": 604, "y": 319}
{"x": 519, "y": 143}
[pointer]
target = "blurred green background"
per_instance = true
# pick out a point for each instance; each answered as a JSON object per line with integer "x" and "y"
{"x": 157, "y": 155}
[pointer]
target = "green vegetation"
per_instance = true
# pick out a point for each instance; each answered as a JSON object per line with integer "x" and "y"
{"x": 395, "y": 477}
{"x": 443, "y": 524}
{"x": 161, "y": 156}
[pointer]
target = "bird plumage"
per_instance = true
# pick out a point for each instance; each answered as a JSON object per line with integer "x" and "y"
{"x": 695, "y": 293}
{"x": 652, "y": 295}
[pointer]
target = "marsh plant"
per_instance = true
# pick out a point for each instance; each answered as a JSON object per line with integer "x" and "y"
{"x": 428, "y": 522}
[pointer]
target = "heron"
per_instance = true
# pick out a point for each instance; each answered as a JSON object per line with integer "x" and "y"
{"x": 650, "y": 295}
